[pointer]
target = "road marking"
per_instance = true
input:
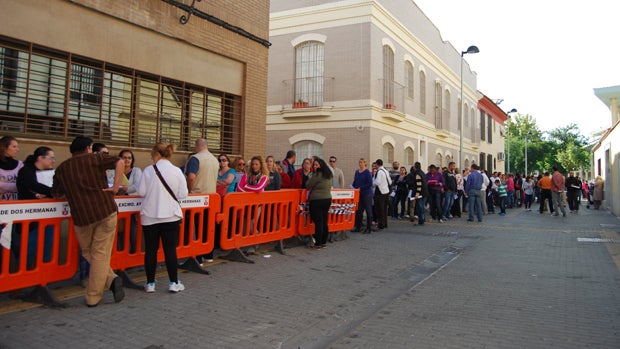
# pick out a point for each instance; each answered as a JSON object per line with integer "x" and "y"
{"x": 596, "y": 240}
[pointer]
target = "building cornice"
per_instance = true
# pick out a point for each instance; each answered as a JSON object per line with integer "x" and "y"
{"x": 352, "y": 12}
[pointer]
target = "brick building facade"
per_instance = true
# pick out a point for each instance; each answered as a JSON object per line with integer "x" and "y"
{"x": 132, "y": 73}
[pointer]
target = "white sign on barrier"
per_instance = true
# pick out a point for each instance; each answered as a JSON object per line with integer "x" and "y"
{"x": 343, "y": 194}
{"x": 58, "y": 209}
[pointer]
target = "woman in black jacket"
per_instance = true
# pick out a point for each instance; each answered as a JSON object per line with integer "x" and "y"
{"x": 29, "y": 187}
{"x": 34, "y": 181}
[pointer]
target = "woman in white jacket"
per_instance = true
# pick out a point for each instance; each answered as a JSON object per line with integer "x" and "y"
{"x": 161, "y": 214}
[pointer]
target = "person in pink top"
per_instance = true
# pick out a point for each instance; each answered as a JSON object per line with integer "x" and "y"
{"x": 255, "y": 180}
{"x": 257, "y": 177}
{"x": 510, "y": 187}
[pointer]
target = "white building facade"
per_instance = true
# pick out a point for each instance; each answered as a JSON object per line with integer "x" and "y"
{"x": 606, "y": 152}
{"x": 367, "y": 79}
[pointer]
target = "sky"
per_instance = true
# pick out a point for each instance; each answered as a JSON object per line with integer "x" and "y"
{"x": 543, "y": 57}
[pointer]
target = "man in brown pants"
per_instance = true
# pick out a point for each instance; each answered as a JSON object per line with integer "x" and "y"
{"x": 82, "y": 181}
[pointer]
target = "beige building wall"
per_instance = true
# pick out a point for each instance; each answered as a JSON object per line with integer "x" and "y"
{"x": 353, "y": 108}
{"x": 146, "y": 35}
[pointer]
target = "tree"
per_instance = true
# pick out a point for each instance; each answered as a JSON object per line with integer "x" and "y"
{"x": 564, "y": 146}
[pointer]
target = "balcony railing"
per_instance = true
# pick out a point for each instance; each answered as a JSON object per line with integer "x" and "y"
{"x": 392, "y": 95}
{"x": 311, "y": 92}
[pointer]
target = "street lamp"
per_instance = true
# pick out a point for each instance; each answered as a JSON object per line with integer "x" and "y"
{"x": 526, "y": 139}
{"x": 470, "y": 49}
{"x": 513, "y": 110}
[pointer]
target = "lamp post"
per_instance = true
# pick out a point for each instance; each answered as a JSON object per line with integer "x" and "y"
{"x": 526, "y": 139}
{"x": 470, "y": 49}
{"x": 513, "y": 110}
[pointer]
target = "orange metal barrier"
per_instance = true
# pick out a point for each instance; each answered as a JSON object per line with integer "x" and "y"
{"x": 249, "y": 219}
{"x": 245, "y": 219}
{"x": 341, "y": 213}
{"x": 47, "y": 248}
{"x": 196, "y": 234}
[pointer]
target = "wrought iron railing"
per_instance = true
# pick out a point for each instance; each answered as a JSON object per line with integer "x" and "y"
{"x": 310, "y": 92}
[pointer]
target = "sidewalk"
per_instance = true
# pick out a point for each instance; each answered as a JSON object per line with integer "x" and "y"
{"x": 519, "y": 281}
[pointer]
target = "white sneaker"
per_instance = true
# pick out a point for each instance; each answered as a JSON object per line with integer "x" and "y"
{"x": 149, "y": 287}
{"x": 176, "y": 287}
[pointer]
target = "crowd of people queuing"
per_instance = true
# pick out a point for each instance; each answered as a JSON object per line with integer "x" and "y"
{"x": 91, "y": 178}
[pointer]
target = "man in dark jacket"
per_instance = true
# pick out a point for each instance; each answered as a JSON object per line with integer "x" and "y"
{"x": 416, "y": 180}
{"x": 450, "y": 190}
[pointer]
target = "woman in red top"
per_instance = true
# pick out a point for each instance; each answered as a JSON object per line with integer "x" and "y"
{"x": 302, "y": 175}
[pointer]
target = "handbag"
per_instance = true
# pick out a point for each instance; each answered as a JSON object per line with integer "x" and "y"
{"x": 163, "y": 181}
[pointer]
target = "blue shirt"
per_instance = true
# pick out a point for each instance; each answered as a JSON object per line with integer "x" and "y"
{"x": 474, "y": 181}
{"x": 192, "y": 166}
{"x": 363, "y": 182}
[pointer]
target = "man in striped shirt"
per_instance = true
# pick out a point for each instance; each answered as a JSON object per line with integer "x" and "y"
{"x": 82, "y": 180}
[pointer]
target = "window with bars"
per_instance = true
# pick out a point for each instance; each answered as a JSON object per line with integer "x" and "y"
{"x": 388, "y": 153}
{"x": 438, "y": 106}
{"x": 489, "y": 129}
{"x": 460, "y": 114}
{"x": 309, "y": 73}
{"x": 446, "y": 109}
{"x": 118, "y": 105}
{"x": 409, "y": 79}
{"x": 9, "y": 61}
{"x": 409, "y": 157}
{"x": 483, "y": 126}
{"x": 422, "y": 92}
{"x": 85, "y": 84}
{"x": 388, "y": 76}
{"x": 466, "y": 115}
{"x": 307, "y": 149}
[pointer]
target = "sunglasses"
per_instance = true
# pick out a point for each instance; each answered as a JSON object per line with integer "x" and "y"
{"x": 223, "y": 160}
{"x": 332, "y": 160}
{"x": 241, "y": 164}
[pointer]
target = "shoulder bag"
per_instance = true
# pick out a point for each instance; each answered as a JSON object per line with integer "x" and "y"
{"x": 161, "y": 178}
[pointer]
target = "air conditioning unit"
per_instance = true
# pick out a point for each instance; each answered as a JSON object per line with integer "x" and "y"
{"x": 501, "y": 156}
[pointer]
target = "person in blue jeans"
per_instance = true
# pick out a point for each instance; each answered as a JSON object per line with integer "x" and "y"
{"x": 363, "y": 181}
{"x": 472, "y": 188}
{"x": 450, "y": 190}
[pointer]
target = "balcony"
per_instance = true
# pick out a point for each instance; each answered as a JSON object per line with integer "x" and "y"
{"x": 303, "y": 94}
{"x": 392, "y": 97}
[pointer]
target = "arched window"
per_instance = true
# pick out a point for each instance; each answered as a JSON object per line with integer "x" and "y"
{"x": 438, "y": 160}
{"x": 409, "y": 157}
{"x": 388, "y": 153}
{"x": 309, "y": 70}
{"x": 466, "y": 116}
{"x": 466, "y": 163}
{"x": 388, "y": 76}
{"x": 306, "y": 149}
{"x": 446, "y": 110}
{"x": 438, "y": 105}
{"x": 422, "y": 92}
{"x": 409, "y": 79}
{"x": 472, "y": 115}
{"x": 460, "y": 113}
{"x": 448, "y": 159}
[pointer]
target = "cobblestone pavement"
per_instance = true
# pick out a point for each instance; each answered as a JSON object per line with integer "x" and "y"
{"x": 525, "y": 280}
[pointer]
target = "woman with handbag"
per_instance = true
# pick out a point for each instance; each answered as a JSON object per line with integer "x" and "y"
{"x": 162, "y": 185}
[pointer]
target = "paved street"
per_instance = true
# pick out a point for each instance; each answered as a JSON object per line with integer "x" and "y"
{"x": 520, "y": 281}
